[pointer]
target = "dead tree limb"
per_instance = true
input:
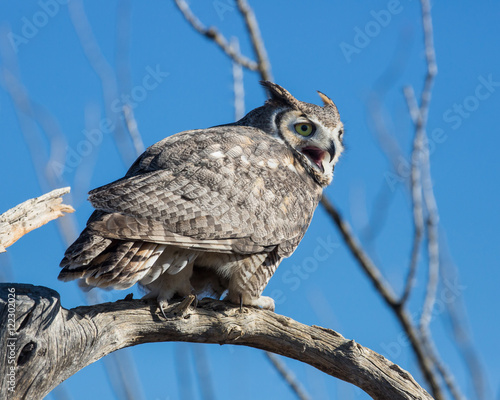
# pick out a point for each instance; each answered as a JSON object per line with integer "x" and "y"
{"x": 43, "y": 343}
{"x": 31, "y": 214}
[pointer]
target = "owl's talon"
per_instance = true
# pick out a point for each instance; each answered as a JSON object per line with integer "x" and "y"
{"x": 163, "y": 305}
{"x": 184, "y": 305}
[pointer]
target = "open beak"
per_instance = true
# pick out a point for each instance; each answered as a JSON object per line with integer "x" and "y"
{"x": 317, "y": 155}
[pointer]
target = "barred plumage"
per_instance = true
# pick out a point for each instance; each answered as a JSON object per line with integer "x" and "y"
{"x": 215, "y": 209}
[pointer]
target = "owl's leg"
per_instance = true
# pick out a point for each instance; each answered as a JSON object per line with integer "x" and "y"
{"x": 265, "y": 302}
{"x": 167, "y": 286}
{"x": 249, "y": 280}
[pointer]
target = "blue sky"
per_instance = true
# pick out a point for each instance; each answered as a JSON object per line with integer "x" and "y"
{"x": 179, "y": 80}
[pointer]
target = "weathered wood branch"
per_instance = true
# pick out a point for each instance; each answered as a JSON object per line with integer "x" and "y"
{"x": 42, "y": 343}
{"x": 31, "y": 214}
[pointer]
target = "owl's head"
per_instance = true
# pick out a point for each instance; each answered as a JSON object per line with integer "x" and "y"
{"x": 312, "y": 132}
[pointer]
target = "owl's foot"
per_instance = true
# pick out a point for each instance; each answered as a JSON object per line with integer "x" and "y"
{"x": 264, "y": 302}
{"x": 161, "y": 299}
{"x": 181, "y": 308}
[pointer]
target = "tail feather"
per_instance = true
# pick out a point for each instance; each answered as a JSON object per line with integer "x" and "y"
{"x": 128, "y": 270}
{"x": 85, "y": 249}
{"x": 108, "y": 263}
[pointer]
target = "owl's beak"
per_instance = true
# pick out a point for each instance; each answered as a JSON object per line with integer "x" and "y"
{"x": 316, "y": 155}
{"x": 331, "y": 150}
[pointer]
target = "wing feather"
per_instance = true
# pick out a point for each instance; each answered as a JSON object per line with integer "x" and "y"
{"x": 211, "y": 190}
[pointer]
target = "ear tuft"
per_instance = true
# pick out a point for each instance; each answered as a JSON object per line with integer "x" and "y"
{"x": 279, "y": 95}
{"x": 327, "y": 101}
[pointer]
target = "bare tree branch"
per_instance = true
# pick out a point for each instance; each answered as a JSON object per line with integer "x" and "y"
{"x": 443, "y": 370}
{"x": 48, "y": 343}
{"x": 31, "y": 214}
{"x": 357, "y": 251}
{"x": 432, "y": 245}
{"x": 238, "y": 87}
{"x": 388, "y": 295}
{"x": 35, "y": 121}
{"x": 259, "y": 49}
{"x": 421, "y": 163}
{"x": 105, "y": 73}
{"x": 131, "y": 123}
{"x": 213, "y": 34}
{"x": 416, "y": 195}
{"x": 430, "y": 202}
{"x": 461, "y": 333}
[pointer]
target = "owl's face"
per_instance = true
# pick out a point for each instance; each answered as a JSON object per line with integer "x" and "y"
{"x": 312, "y": 132}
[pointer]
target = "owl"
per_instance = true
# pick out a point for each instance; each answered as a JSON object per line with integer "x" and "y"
{"x": 212, "y": 211}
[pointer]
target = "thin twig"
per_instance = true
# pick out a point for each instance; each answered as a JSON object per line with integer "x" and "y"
{"x": 363, "y": 259}
{"x": 429, "y": 199}
{"x": 447, "y": 376}
{"x": 131, "y": 124}
{"x": 104, "y": 71}
{"x": 238, "y": 88}
{"x": 383, "y": 131}
{"x": 257, "y": 43}
{"x": 35, "y": 121}
{"x": 123, "y": 74}
{"x": 420, "y": 116}
{"x": 288, "y": 376}
{"x": 416, "y": 195}
{"x": 432, "y": 243}
{"x": 433, "y": 251}
{"x": 461, "y": 331}
{"x": 122, "y": 52}
{"x": 213, "y": 34}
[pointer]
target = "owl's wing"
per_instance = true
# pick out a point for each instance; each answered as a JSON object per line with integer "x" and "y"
{"x": 229, "y": 188}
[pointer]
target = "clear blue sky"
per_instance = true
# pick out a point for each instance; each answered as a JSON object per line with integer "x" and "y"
{"x": 180, "y": 81}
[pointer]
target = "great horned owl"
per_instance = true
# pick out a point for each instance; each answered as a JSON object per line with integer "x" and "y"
{"x": 215, "y": 209}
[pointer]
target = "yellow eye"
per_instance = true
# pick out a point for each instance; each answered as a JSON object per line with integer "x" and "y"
{"x": 305, "y": 129}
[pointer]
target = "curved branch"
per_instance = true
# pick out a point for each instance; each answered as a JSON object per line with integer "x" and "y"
{"x": 46, "y": 344}
{"x": 424, "y": 359}
{"x": 257, "y": 43}
{"x": 213, "y": 34}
